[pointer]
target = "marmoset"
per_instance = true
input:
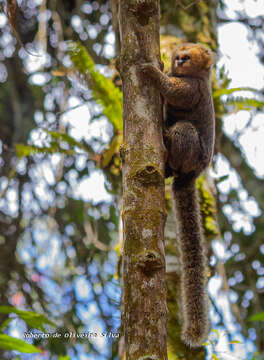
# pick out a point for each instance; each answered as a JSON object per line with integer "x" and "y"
{"x": 189, "y": 133}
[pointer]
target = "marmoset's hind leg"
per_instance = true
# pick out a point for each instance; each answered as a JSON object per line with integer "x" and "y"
{"x": 183, "y": 144}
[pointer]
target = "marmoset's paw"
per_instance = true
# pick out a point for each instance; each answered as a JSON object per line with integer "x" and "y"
{"x": 146, "y": 68}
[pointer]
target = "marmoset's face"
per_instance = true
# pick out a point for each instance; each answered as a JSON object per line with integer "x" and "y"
{"x": 191, "y": 60}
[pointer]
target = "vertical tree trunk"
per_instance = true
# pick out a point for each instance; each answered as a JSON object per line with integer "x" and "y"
{"x": 144, "y": 294}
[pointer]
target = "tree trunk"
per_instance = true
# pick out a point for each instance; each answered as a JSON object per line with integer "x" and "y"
{"x": 143, "y": 153}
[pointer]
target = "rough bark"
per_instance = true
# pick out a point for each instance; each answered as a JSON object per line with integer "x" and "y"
{"x": 143, "y": 153}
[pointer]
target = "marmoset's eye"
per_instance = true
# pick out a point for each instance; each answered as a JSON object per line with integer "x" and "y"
{"x": 186, "y": 57}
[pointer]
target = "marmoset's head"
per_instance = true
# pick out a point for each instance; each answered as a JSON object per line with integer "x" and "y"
{"x": 191, "y": 60}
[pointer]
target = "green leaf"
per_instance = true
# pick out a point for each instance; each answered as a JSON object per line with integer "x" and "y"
{"x": 69, "y": 140}
{"x": 207, "y": 343}
{"x": 28, "y": 150}
{"x": 64, "y": 358}
{"x": 225, "y": 91}
{"x": 257, "y": 317}
{"x": 5, "y": 323}
{"x": 243, "y": 103}
{"x": 10, "y": 343}
{"x": 23, "y": 150}
{"x": 257, "y": 356}
{"x": 235, "y": 342}
{"x": 103, "y": 89}
{"x": 216, "y": 332}
{"x": 33, "y": 319}
{"x": 222, "y": 178}
{"x": 111, "y": 150}
{"x": 215, "y": 357}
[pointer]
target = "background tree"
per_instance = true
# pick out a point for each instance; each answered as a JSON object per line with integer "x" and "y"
{"x": 57, "y": 251}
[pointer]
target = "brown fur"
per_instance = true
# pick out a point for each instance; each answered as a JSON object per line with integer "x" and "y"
{"x": 189, "y": 137}
{"x": 193, "y": 260}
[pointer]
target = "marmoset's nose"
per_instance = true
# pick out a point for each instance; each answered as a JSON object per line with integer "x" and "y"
{"x": 180, "y": 62}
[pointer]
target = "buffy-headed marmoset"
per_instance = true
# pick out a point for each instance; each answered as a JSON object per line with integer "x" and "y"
{"x": 189, "y": 133}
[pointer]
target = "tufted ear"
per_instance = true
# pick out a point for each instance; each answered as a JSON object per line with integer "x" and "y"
{"x": 211, "y": 58}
